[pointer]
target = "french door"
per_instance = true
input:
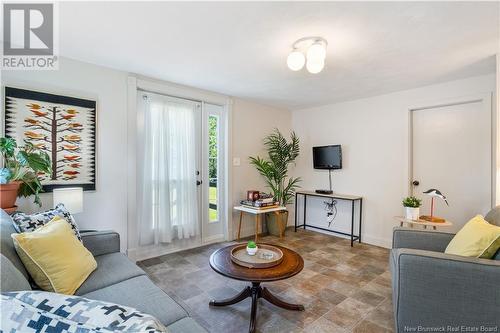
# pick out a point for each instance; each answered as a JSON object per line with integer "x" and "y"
{"x": 182, "y": 172}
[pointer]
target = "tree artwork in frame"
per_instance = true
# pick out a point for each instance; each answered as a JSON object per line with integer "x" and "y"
{"x": 64, "y": 127}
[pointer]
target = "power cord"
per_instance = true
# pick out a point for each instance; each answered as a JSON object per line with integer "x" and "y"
{"x": 331, "y": 211}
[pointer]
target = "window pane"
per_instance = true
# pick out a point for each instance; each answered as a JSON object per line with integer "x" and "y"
{"x": 212, "y": 201}
{"x": 212, "y": 136}
{"x": 213, "y": 192}
{"x": 212, "y": 168}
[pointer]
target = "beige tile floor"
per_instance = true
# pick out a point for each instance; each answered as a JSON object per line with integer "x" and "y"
{"x": 343, "y": 289}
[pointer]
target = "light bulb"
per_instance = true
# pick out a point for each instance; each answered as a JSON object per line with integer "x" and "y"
{"x": 314, "y": 67}
{"x": 316, "y": 52}
{"x": 295, "y": 60}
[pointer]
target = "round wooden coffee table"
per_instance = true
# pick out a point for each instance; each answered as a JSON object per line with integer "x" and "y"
{"x": 292, "y": 264}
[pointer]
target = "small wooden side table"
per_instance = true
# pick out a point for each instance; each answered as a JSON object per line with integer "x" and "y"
{"x": 402, "y": 220}
{"x": 292, "y": 264}
{"x": 258, "y": 213}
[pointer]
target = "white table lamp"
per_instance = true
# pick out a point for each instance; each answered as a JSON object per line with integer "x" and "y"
{"x": 71, "y": 197}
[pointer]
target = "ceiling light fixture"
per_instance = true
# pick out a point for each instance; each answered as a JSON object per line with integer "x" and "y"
{"x": 315, "y": 52}
{"x": 295, "y": 60}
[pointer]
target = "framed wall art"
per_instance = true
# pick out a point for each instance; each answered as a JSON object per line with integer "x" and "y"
{"x": 65, "y": 127}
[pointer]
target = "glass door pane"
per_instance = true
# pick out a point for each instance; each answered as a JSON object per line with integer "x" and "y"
{"x": 213, "y": 220}
{"x": 213, "y": 167}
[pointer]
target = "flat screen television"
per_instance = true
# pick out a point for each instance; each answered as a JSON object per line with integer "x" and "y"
{"x": 327, "y": 157}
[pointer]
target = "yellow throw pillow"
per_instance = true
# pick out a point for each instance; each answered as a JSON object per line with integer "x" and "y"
{"x": 56, "y": 260}
{"x": 477, "y": 239}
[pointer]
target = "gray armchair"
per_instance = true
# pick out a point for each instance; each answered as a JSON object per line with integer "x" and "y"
{"x": 433, "y": 290}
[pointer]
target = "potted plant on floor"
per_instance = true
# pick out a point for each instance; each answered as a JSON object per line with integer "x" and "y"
{"x": 20, "y": 173}
{"x": 412, "y": 205}
{"x": 281, "y": 154}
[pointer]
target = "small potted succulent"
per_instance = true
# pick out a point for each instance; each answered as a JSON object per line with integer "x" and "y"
{"x": 252, "y": 248}
{"x": 412, "y": 205}
{"x": 19, "y": 176}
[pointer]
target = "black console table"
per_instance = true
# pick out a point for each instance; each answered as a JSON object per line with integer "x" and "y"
{"x": 351, "y": 198}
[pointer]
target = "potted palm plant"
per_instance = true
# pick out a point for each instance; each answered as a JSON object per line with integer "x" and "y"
{"x": 20, "y": 173}
{"x": 281, "y": 154}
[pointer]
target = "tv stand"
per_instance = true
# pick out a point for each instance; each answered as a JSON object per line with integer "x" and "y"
{"x": 352, "y": 198}
{"x": 330, "y": 191}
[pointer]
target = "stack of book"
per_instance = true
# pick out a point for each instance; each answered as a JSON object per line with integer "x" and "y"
{"x": 265, "y": 201}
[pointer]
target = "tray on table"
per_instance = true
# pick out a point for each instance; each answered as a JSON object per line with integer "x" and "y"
{"x": 240, "y": 256}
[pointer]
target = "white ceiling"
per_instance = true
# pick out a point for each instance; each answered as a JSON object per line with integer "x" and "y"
{"x": 240, "y": 48}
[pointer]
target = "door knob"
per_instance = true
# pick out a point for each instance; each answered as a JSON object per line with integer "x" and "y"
{"x": 199, "y": 182}
{"x": 416, "y": 183}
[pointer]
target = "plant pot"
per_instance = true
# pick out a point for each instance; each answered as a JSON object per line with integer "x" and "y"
{"x": 8, "y": 194}
{"x": 412, "y": 213}
{"x": 272, "y": 222}
{"x": 252, "y": 250}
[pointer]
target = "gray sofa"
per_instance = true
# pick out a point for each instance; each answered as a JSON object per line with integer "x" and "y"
{"x": 432, "y": 290}
{"x": 115, "y": 280}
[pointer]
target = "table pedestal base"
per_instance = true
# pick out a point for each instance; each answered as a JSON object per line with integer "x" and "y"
{"x": 256, "y": 292}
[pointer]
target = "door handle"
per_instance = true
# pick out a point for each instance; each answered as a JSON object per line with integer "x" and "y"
{"x": 199, "y": 182}
{"x": 416, "y": 183}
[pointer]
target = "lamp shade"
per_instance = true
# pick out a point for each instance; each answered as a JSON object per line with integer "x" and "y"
{"x": 316, "y": 52}
{"x": 295, "y": 60}
{"x": 71, "y": 197}
{"x": 314, "y": 67}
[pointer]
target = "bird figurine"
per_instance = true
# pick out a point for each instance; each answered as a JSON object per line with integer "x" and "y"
{"x": 434, "y": 193}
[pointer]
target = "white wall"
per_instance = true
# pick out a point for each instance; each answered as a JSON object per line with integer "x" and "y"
{"x": 373, "y": 133}
{"x": 104, "y": 208}
{"x": 251, "y": 122}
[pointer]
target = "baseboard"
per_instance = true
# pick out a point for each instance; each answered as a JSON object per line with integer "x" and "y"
{"x": 377, "y": 241}
{"x": 138, "y": 254}
{"x": 213, "y": 239}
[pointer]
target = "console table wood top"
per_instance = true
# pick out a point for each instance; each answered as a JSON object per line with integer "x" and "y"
{"x": 333, "y": 195}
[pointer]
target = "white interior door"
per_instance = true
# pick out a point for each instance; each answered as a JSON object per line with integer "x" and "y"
{"x": 213, "y": 143}
{"x": 451, "y": 148}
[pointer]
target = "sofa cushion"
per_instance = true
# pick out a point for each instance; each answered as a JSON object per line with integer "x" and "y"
{"x": 54, "y": 257}
{"x": 111, "y": 268}
{"x": 142, "y": 294}
{"x": 185, "y": 325}
{"x": 40, "y": 311}
{"x": 12, "y": 279}
{"x": 29, "y": 222}
{"x": 6, "y": 245}
{"x": 493, "y": 216}
{"x": 477, "y": 238}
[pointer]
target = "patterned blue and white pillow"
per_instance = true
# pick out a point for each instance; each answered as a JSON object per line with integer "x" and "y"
{"x": 40, "y": 311}
{"x": 29, "y": 222}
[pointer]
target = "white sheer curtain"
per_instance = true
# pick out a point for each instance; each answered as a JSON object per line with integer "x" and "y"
{"x": 169, "y": 207}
